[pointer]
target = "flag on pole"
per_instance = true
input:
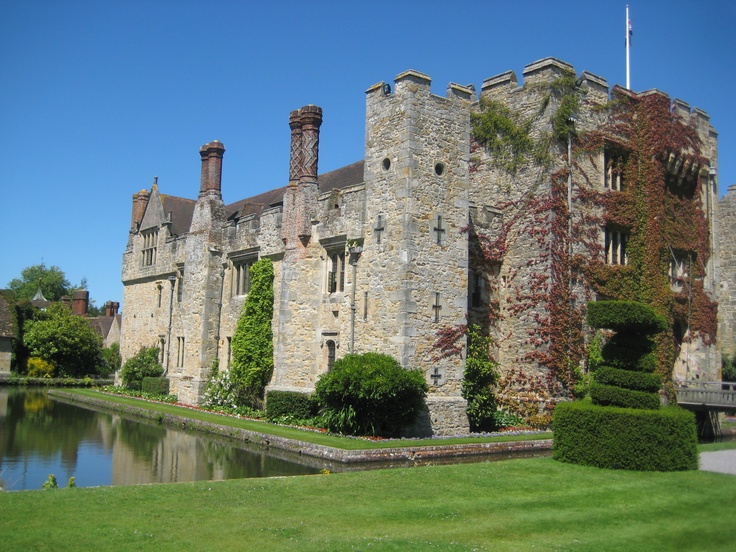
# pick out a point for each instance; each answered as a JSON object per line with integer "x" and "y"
{"x": 631, "y": 31}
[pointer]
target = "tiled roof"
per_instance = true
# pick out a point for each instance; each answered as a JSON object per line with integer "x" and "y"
{"x": 6, "y": 318}
{"x": 333, "y": 180}
{"x": 181, "y": 210}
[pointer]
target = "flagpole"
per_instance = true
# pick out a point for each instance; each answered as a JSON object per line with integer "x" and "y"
{"x": 628, "y": 40}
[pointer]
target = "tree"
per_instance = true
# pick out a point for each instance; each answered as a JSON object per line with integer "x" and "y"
{"x": 252, "y": 362}
{"x": 64, "y": 339}
{"x": 52, "y": 280}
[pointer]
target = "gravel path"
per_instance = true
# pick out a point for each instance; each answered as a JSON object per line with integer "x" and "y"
{"x": 722, "y": 461}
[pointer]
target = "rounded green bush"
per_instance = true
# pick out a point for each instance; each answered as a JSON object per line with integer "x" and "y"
{"x": 370, "y": 394}
{"x": 630, "y": 316}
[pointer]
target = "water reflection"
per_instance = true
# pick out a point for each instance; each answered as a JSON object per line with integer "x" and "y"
{"x": 40, "y": 435}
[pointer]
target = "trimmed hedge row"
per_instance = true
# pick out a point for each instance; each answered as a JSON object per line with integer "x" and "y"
{"x": 627, "y": 358}
{"x": 622, "y": 438}
{"x": 155, "y": 386}
{"x": 610, "y": 395}
{"x": 630, "y": 316}
{"x": 290, "y": 403}
{"x": 636, "y": 381}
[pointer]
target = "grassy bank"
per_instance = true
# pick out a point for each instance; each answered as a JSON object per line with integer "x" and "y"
{"x": 508, "y": 505}
{"x": 314, "y": 437}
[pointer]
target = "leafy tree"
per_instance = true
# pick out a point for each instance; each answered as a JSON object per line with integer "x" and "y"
{"x": 252, "y": 347}
{"x": 479, "y": 379}
{"x": 65, "y": 340}
{"x": 52, "y": 280}
{"x": 111, "y": 360}
{"x": 143, "y": 364}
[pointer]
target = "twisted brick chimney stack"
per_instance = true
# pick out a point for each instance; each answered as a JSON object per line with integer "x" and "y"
{"x": 300, "y": 199}
{"x": 211, "y": 180}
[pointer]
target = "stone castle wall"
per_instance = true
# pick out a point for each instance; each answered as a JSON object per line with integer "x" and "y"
{"x": 727, "y": 293}
{"x": 402, "y": 235}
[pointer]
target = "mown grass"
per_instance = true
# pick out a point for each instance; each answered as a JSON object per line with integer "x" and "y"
{"x": 509, "y": 505}
{"x": 336, "y": 441}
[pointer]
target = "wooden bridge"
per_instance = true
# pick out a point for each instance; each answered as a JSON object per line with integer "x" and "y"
{"x": 707, "y": 399}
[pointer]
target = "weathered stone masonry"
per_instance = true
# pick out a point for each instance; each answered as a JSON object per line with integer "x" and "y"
{"x": 371, "y": 257}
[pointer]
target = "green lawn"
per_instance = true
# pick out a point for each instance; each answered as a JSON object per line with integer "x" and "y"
{"x": 294, "y": 433}
{"x": 509, "y": 505}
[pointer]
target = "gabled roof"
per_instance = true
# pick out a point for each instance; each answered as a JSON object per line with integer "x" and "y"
{"x": 181, "y": 210}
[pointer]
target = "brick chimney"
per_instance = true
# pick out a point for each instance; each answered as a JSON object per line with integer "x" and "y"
{"x": 211, "y": 180}
{"x": 80, "y": 302}
{"x": 311, "y": 119}
{"x": 296, "y": 156}
{"x": 111, "y": 308}
{"x": 140, "y": 201}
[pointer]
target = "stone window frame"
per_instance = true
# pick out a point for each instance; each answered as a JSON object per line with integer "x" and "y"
{"x": 179, "y": 283}
{"x": 335, "y": 262}
{"x": 615, "y": 242}
{"x": 680, "y": 267}
{"x": 180, "y": 350}
{"x": 149, "y": 238}
{"x": 614, "y": 160}
{"x": 240, "y": 263}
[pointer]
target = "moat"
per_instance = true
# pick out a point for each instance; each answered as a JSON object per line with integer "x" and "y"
{"x": 40, "y": 436}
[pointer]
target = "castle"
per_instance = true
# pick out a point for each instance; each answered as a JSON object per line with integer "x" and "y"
{"x": 431, "y": 231}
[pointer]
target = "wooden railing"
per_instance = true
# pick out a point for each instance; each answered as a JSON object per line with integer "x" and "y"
{"x": 712, "y": 395}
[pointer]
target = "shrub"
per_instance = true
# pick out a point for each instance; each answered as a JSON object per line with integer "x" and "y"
{"x": 478, "y": 380}
{"x": 155, "y": 386}
{"x": 629, "y": 379}
{"x": 143, "y": 364}
{"x": 728, "y": 366}
{"x": 611, "y": 395}
{"x": 221, "y": 392}
{"x": 39, "y": 368}
{"x": 622, "y": 438}
{"x": 290, "y": 403}
{"x": 370, "y": 394}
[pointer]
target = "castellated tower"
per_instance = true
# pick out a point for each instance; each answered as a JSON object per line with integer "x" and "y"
{"x": 414, "y": 269}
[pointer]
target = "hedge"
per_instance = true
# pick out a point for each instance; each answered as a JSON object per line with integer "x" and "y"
{"x": 155, "y": 386}
{"x": 290, "y": 403}
{"x": 622, "y": 438}
{"x": 630, "y": 316}
{"x": 609, "y": 395}
{"x": 637, "y": 381}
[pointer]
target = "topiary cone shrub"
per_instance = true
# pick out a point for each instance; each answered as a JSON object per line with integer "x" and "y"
{"x": 623, "y": 426}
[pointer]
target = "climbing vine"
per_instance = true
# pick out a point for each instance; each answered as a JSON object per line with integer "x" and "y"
{"x": 547, "y": 292}
{"x": 252, "y": 345}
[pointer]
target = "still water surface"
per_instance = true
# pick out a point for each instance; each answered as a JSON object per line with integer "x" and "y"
{"x": 40, "y": 436}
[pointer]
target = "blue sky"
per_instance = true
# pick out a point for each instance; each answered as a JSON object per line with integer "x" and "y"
{"x": 97, "y": 97}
